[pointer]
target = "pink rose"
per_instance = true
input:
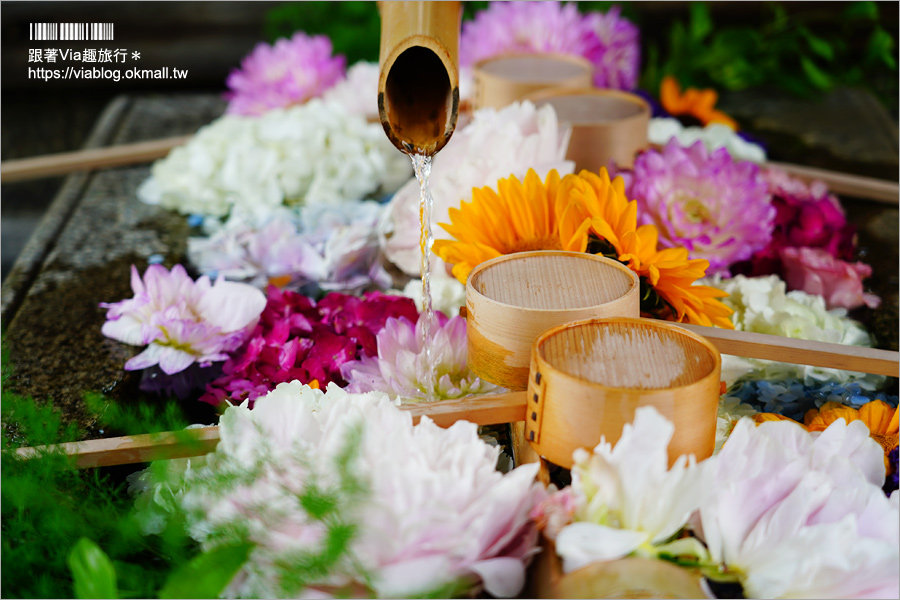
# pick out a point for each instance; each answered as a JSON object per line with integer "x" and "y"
{"x": 816, "y": 271}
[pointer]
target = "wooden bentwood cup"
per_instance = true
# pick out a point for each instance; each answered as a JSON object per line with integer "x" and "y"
{"x": 502, "y": 80}
{"x": 512, "y": 299}
{"x": 607, "y": 125}
{"x": 587, "y": 379}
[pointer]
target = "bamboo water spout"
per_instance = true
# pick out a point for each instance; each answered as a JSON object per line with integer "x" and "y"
{"x": 418, "y": 87}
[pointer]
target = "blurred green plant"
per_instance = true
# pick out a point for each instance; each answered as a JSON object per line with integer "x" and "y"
{"x": 353, "y": 27}
{"x": 806, "y": 53}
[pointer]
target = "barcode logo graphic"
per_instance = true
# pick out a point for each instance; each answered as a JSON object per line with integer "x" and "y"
{"x": 71, "y": 31}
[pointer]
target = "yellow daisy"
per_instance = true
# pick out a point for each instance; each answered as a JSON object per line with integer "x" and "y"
{"x": 591, "y": 203}
{"x": 519, "y": 218}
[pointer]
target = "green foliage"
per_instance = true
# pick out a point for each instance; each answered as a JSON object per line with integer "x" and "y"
{"x": 92, "y": 571}
{"x": 138, "y": 418}
{"x": 207, "y": 575}
{"x": 806, "y": 53}
{"x": 353, "y": 27}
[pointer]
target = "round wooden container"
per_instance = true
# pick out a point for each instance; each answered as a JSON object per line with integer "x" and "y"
{"x": 512, "y": 299}
{"x": 502, "y": 80}
{"x": 606, "y": 124}
{"x": 587, "y": 378}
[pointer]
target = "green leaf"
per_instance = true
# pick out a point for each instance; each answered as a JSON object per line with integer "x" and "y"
{"x": 861, "y": 10}
{"x": 881, "y": 45}
{"x": 814, "y": 74}
{"x": 817, "y": 44}
{"x": 208, "y": 574}
{"x": 92, "y": 571}
{"x": 701, "y": 22}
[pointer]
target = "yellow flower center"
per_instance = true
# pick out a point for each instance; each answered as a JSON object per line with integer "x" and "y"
{"x": 695, "y": 211}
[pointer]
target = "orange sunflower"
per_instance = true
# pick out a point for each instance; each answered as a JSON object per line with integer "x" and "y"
{"x": 519, "y": 218}
{"x": 699, "y": 104}
{"x": 568, "y": 215}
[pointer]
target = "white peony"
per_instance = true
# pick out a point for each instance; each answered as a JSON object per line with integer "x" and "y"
{"x": 429, "y": 507}
{"x": 495, "y": 145}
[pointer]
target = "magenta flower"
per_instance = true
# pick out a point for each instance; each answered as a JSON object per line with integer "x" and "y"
{"x": 815, "y": 271}
{"x": 719, "y": 209}
{"x": 617, "y": 55}
{"x": 290, "y": 72}
{"x": 182, "y": 321}
{"x": 401, "y": 367}
{"x": 807, "y": 215}
{"x": 610, "y": 42}
{"x": 299, "y": 339}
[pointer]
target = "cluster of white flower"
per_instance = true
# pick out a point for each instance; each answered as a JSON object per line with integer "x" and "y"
{"x": 713, "y": 136}
{"x": 311, "y": 153}
{"x": 762, "y": 305}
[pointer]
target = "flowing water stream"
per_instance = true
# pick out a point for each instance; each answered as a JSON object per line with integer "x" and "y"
{"x": 422, "y": 166}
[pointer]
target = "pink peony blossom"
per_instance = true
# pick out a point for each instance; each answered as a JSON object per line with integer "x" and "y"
{"x": 806, "y": 215}
{"x": 718, "y": 209}
{"x": 299, "y": 339}
{"x": 610, "y": 42}
{"x": 289, "y": 72}
{"x": 182, "y": 321}
{"x": 816, "y": 271}
{"x": 401, "y": 367}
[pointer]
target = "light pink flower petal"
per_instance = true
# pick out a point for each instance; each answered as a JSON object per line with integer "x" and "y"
{"x": 582, "y": 543}
{"x": 174, "y": 360}
{"x": 148, "y": 358}
{"x": 502, "y": 577}
{"x": 231, "y": 306}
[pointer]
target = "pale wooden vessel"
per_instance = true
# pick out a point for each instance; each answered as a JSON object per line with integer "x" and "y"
{"x": 501, "y": 80}
{"x": 607, "y": 125}
{"x": 418, "y": 88}
{"x": 587, "y": 378}
{"x": 512, "y": 299}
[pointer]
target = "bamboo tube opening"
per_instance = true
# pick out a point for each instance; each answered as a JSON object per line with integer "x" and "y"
{"x": 418, "y": 88}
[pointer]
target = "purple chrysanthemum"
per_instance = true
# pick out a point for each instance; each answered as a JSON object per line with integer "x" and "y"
{"x": 719, "y": 209}
{"x": 609, "y": 41}
{"x": 289, "y": 72}
{"x": 617, "y": 56}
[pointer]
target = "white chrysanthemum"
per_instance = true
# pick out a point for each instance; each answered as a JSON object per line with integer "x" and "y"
{"x": 762, "y": 305}
{"x": 431, "y": 507}
{"x": 496, "y": 144}
{"x": 358, "y": 92}
{"x": 311, "y": 153}
{"x": 448, "y": 295}
{"x": 628, "y": 500}
{"x": 713, "y": 136}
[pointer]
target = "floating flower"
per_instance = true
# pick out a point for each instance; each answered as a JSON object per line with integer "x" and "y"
{"x": 300, "y": 339}
{"x": 718, "y": 209}
{"x": 796, "y": 516}
{"x": 289, "y": 72}
{"x": 762, "y": 305}
{"x": 878, "y": 416}
{"x": 569, "y": 215}
{"x": 315, "y": 153}
{"x": 628, "y": 499}
{"x": 815, "y": 271}
{"x": 807, "y": 215}
{"x": 358, "y": 92}
{"x": 184, "y": 322}
{"x": 417, "y": 508}
{"x": 521, "y": 217}
{"x": 609, "y": 41}
{"x": 403, "y": 367}
{"x": 713, "y": 136}
{"x": 693, "y": 103}
{"x": 494, "y": 145}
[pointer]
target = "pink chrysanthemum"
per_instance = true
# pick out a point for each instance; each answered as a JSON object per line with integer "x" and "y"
{"x": 719, "y": 209}
{"x": 290, "y": 72}
{"x": 610, "y": 42}
{"x": 402, "y": 368}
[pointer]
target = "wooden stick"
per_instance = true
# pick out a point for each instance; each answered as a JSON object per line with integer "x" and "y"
{"x": 879, "y": 190}
{"x": 803, "y": 352}
{"x": 486, "y": 410}
{"x": 95, "y": 158}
